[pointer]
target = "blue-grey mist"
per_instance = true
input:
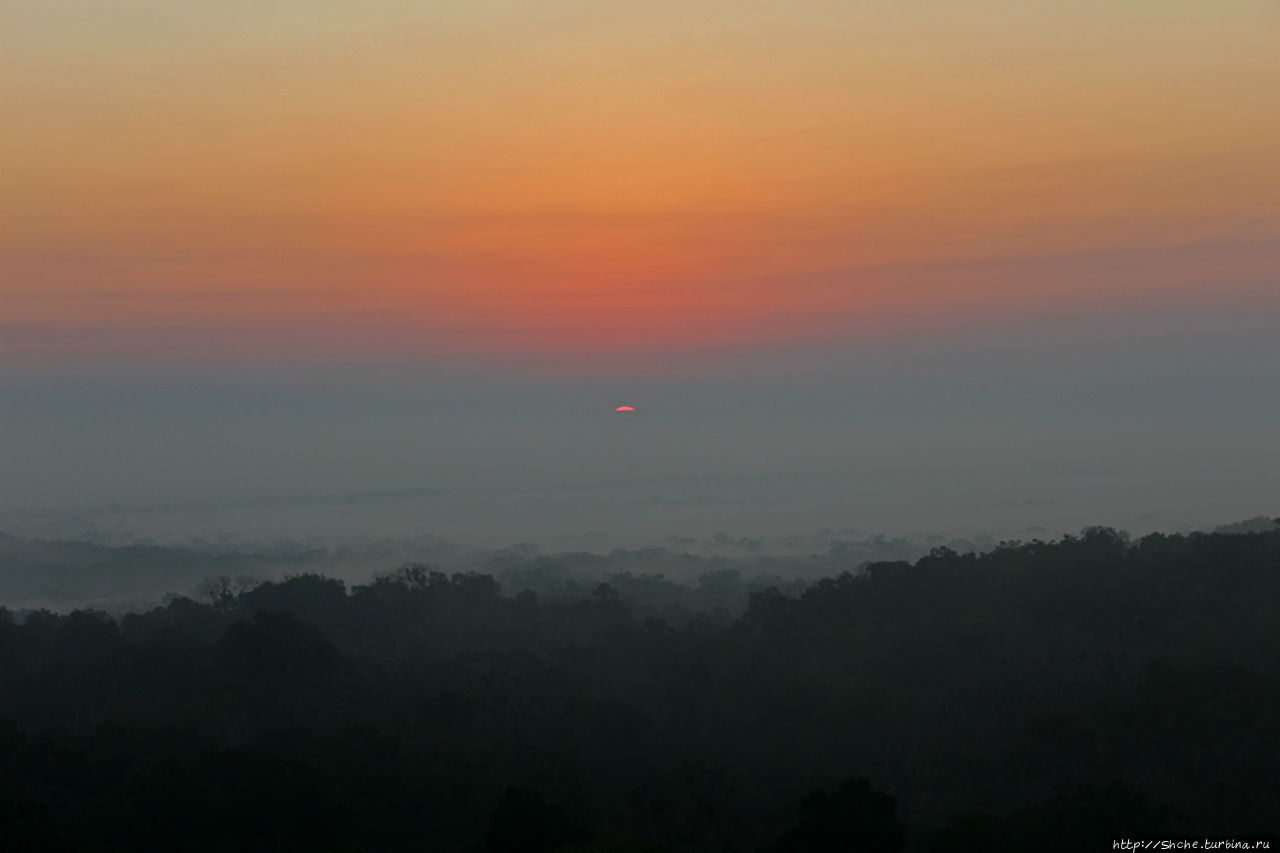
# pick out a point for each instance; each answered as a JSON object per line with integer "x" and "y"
{"x": 1153, "y": 421}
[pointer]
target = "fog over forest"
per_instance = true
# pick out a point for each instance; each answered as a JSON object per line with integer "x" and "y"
{"x": 120, "y": 578}
{"x": 1052, "y": 695}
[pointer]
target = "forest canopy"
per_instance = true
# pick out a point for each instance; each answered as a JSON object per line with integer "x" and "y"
{"x": 1046, "y": 695}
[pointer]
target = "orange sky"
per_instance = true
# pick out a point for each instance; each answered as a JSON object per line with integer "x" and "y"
{"x": 565, "y": 176}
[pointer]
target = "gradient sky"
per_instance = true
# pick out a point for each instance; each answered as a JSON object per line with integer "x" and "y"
{"x": 532, "y": 177}
{"x": 804, "y": 194}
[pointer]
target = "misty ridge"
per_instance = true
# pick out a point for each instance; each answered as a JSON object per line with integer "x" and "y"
{"x": 99, "y": 563}
{"x": 115, "y": 571}
{"x": 880, "y": 695}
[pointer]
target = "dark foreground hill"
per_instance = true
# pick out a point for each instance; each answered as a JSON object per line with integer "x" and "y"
{"x": 1047, "y": 696}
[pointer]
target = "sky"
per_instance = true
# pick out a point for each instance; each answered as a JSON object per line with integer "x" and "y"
{"x": 925, "y": 265}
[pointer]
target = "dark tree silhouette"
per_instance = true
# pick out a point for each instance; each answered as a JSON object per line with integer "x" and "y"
{"x": 854, "y": 818}
{"x": 1038, "y": 694}
{"x": 525, "y": 822}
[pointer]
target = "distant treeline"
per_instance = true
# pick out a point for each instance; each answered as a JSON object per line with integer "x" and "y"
{"x": 62, "y": 575}
{"x": 1039, "y": 696}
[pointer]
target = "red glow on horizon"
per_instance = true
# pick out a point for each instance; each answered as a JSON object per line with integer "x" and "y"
{"x": 625, "y": 409}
